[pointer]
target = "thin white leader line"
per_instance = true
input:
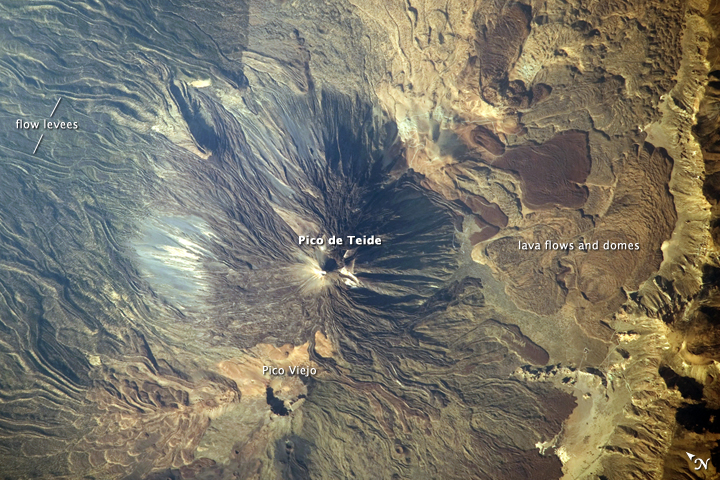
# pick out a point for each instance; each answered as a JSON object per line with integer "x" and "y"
{"x": 38, "y": 144}
{"x": 56, "y": 105}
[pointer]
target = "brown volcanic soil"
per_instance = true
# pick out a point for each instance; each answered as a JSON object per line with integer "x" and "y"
{"x": 498, "y": 45}
{"x": 552, "y": 173}
{"x": 595, "y": 281}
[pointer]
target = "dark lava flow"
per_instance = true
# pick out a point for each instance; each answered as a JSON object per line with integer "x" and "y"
{"x": 128, "y": 282}
{"x": 413, "y": 342}
{"x": 276, "y": 405}
{"x": 325, "y": 177}
{"x": 422, "y": 383}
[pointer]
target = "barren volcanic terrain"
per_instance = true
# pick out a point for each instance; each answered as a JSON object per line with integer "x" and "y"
{"x": 370, "y": 239}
